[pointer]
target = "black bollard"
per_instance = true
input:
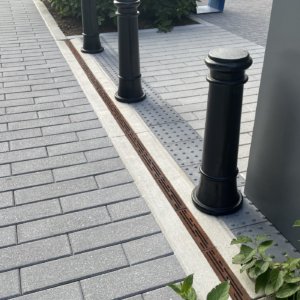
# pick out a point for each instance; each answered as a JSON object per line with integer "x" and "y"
{"x": 91, "y": 39}
{"x": 130, "y": 86}
{"x": 217, "y": 192}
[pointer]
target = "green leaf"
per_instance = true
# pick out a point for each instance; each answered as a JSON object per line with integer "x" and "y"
{"x": 269, "y": 289}
{"x": 220, "y": 292}
{"x": 287, "y": 290}
{"x": 262, "y": 237}
{"x": 240, "y": 240}
{"x": 66, "y": 9}
{"x": 261, "y": 267}
{"x": 192, "y": 294}
{"x": 248, "y": 265}
{"x": 298, "y": 296}
{"x": 262, "y": 281}
{"x": 297, "y": 223}
{"x": 264, "y": 246}
{"x": 252, "y": 273}
{"x": 248, "y": 253}
{"x": 176, "y": 288}
{"x": 188, "y": 283}
{"x": 277, "y": 279}
{"x": 290, "y": 279}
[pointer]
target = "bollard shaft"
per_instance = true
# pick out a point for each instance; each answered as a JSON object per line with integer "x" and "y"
{"x": 130, "y": 86}
{"x": 217, "y": 191}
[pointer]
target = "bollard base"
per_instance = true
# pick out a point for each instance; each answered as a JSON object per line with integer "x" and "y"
{"x": 130, "y": 100}
{"x": 216, "y": 211}
{"x": 92, "y": 51}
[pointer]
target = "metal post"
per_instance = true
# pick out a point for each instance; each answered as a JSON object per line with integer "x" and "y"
{"x": 217, "y": 192}
{"x": 130, "y": 86}
{"x": 91, "y": 39}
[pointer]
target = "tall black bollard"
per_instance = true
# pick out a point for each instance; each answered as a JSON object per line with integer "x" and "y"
{"x": 130, "y": 86}
{"x": 217, "y": 192}
{"x": 91, "y": 40}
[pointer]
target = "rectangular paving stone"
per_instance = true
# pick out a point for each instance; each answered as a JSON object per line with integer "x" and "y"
{"x": 55, "y": 85}
{"x": 54, "y": 190}
{"x": 5, "y": 170}
{"x": 72, "y": 268}
{"x": 128, "y": 209}
{"x": 99, "y": 197}
{"x": 25, "y": 180}
{"x": 79, "y": 146}
{"x": 65, "y": 111}
{"x": 20, "y": 134}
{"x": 8, "y": 236}
{"x": 31, "y": 94}
{"x": 138, "y": 297}
{"x": 6, "y": 199}
{"x": 35, "y": 107}
{"x": 114, "y": 233}
{"x": 92, "y": 168}
{"x": 18, "y": 117}
{"x": 134, "y": 280}
{"x": 91, "y": 134}
{"x": 48, "y": 163}
{"x": 30, "y": 212}
{"x": 75, "y": 102}
{"x": 62, "y": 224}
{"x": 4, "y": 147}
{"x": 45, "y": 99}
{"x": 38, "y": 123}
{"x": 21, "y": 155}
{"x": 164, "y": 293}
{"x": 37, "y": 252}
{"x": 3, "y": 127}
{"x": 101, "y": 154}
{"x": 146, "y": 249}
{"x": 10, "y": 103}
{"x": 43, "y": 141}
{"x": 10, "y": 284}
{"x": 71, "y": 127}
{"x": 83, "y": 116}
{"x": 70, "y": 291}
{"x": 27, "y": 82}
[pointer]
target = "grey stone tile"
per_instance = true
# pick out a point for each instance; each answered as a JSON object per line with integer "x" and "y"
{"x": 114, "y": 233}
{"x": 75, "y": 102}
{"x": 91, "y": 134}
{"x": 28, "y": 254}
{"x": 12, "y": 103}
{"x": 65, "y": 111}
{"x": 128, "y": 209}
{"x": 20, "y": 134}
{"x": 27, "y": 82}
{"x": 115, "y": 178}
{"x": 79, "y": 146}
{"x": 84, "y": 116}
{"x": 70, "y": 291}
{"x": 26, "y": 180}
{"x": 64, "y": 97}
{"x": 48, "y": 163}
{"x": 43, "y": 141}
{"x": 54, "y": 190}
{"x": 8, "y": 236}
{"x": 35, "y": 107}
{"x": 18, "y": 117}
{"x": 10, "y": 284}
{"x": 138, "y": 297}
{"x": 31, "y": 94}
{"x": 71, "y": 127}
{"x": 6, "y": 199}
{"x": 146, "y": 249}
{"x": 72, "y": 268}
{"x": 5, "y": 170}
{"x": 3, "y": 127}
{"x": 134, "y": 280}
{"x": 20, "y": 155}
{"x": 30, "y": 212}
{"x": 56, "y": 85}
{"x": 39, "y": 123}
{"x": 164, "y": 293}
{"x": 92, "y": 168}
{"x": 62, "y": 224}
{"x": 99, "y": 197}
{"x": 4, "y": 147}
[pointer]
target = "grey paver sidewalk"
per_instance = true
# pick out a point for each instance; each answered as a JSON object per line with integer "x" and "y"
{"x": 73, "y": 225}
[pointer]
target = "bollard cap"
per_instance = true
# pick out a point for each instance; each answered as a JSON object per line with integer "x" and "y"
{"x": 228, "y": 65}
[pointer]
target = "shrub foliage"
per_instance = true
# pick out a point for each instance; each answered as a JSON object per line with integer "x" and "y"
{"x": 163, "y": 12}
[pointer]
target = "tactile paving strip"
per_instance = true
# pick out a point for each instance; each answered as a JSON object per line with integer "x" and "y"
{"x": 281, "y": 244}
{"x": 174, "y": 132}
{"x": 109, "y": 61}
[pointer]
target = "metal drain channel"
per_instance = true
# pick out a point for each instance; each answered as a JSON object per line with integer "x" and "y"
{"x": 200, "y": 237}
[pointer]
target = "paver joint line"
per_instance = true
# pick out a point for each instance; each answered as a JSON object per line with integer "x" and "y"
{"x": 205, "y": 245}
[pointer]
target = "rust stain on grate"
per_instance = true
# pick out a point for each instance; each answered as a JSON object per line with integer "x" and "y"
{"x": 237, "y": 292}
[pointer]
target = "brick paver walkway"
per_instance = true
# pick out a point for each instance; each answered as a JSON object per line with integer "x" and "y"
{"x": 73, "y": 223}
{"x": 248, "y": 19}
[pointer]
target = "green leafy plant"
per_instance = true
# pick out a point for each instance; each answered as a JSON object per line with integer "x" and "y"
{"x": 187, "y": 292}
{"x": 163, "y": 12}
{"x": 281, "y": 279}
